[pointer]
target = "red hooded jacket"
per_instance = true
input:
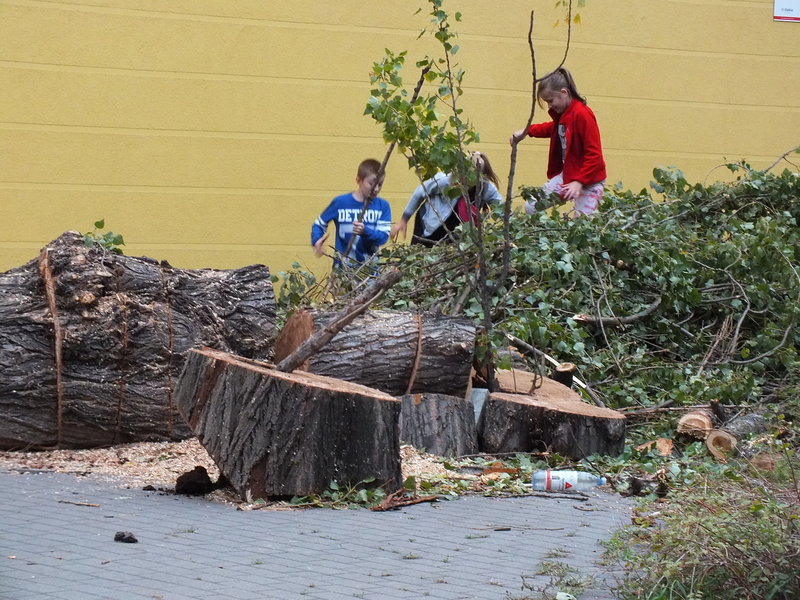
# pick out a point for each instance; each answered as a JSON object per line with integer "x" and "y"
{"x": 583, "y": 159}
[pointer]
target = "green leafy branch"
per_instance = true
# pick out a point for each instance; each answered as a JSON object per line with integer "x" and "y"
{"x": 109, "y": 240}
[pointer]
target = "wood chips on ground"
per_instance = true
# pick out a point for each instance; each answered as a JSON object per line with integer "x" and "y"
{"x": 158, "y": 464}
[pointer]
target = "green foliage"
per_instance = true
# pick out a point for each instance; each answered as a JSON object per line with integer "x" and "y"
{"x": 296, "y": 286}
{"x": 711, "y": 272}
{"x": 576, "y": 18}
{"x": 363, "y": 494}
{"x": 721, "y": 260}
{"x": 109, "y": 240}
{"x": 730, "y": 533}
{"x": 431, "y": 131}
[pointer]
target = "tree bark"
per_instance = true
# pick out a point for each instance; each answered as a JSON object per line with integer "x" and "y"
{"x": 439, "y": 424}
{"x": 547, "y": 421}
{"x": 396, "y": 352}
{"x": 273, "y": 433}
{"x": 338, "y": 321}
{"x": 91, "y": 342}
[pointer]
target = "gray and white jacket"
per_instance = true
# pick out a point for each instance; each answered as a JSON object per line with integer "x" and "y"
{"x": 439, "y": 207}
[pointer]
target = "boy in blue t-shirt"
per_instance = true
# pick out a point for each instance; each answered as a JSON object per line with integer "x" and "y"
{"x": 344, "y": 211}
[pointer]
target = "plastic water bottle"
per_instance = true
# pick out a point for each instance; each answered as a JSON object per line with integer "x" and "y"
{"x": 565, "y": 481}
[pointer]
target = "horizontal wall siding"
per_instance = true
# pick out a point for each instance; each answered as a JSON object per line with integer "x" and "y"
{"x": 211, "y": 134}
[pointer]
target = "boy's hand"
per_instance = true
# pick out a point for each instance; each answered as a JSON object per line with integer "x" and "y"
{"x": 401, "y": 225}
{"x": 318, "y": 251}
{"x": 358, "y": 228}
{"x": 571, "y": 190}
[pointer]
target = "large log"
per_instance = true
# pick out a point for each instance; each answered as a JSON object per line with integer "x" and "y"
{"x": 724, "y": 441}
{"x": 439, "y": 424}
{"x": 397, "y": 352}
{"x": 312, "y": 344}
{"x": 697, "y": 423}
{"x": 91, "y": 342}
{"x": 273, "y": 433}
{"x": 550, "y": 418}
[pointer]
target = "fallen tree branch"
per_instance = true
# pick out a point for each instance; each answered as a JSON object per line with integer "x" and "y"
{"x": 781, "y": 157}
{"x": 611, "y": 321}
{"x": 382, "y": 169}
{"x": 398, "y": 499}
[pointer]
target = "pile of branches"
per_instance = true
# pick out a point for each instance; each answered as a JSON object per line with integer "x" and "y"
{"x": 681, "y": 295}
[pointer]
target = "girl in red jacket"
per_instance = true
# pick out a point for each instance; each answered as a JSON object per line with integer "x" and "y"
{"x": 575, "y": 168}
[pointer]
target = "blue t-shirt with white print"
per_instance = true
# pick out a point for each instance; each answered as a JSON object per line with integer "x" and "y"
{"x": 343, "y": 211}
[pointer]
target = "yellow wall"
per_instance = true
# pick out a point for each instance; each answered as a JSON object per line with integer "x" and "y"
{"x": 210, "y": 133}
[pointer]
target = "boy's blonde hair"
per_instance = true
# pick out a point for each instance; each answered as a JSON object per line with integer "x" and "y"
{"x": 367, "y": 167}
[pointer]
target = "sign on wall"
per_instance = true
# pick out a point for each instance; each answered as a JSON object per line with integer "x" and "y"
{"x": 787, "y": 10}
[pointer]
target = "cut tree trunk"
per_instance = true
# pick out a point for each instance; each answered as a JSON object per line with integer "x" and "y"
{"x": 551, "y": 418}
{"x": 91, "y": 342}
{"x": 724, "y": 441}
{"x": 275, "y": 434}
{"x": 397, "y": 352}
{"x": 564, "y": 373}
{"x": 439, "y": 424}
{"x": 697, "y": 423}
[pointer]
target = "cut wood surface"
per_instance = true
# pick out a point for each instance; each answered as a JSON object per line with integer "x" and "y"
{"x": 439, "y": 424}
{"x": 564, "y": 373}
{"x": 720, "y": 443}
{"x": 91, "y": 342}
{"x": 398, "y": 352}
{"x": 724, "y": 441}
{"x": 517, "y": 381}
{"x": 549, "y": 422}
{"x": 273, "y": 433}
{"x": 697, "y": 423}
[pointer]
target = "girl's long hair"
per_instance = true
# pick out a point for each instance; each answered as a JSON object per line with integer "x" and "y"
{"x": 485, "y": 172}
{"x": 484, "y": 167}
{"x": 557, "y": 80}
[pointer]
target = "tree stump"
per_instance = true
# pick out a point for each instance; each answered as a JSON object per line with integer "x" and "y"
{"x": 552, "y": 418}
{"x": 564, "y": 373}
{"x": 397, "y": 352}
{"x": 439, "y": 424}
{"x": 273, "y": 433}
{"x": 91, "y": 342}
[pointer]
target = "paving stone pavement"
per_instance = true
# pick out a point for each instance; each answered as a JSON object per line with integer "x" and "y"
{"x": 57, "y": 542}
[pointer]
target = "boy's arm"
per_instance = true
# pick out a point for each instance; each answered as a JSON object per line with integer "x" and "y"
{"x": 319, "y": 228}
{"x": 377, "y": 234}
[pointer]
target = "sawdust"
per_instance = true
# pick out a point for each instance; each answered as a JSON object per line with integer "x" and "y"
{"x": 136, "y": 465}
{"x": 158, "y": 464}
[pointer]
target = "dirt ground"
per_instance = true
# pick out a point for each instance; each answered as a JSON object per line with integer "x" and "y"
{"x": 158, "y": 464}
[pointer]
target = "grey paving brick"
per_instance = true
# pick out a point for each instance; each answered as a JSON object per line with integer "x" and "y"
{"x": 472, "y": 547}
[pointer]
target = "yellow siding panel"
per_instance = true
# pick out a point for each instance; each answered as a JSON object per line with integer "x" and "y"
{"x": 212, "y": 133}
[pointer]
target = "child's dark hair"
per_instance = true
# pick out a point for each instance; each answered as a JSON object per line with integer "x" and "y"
{"x": 558, "y": 80}
{"x": 368, "y": 167}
